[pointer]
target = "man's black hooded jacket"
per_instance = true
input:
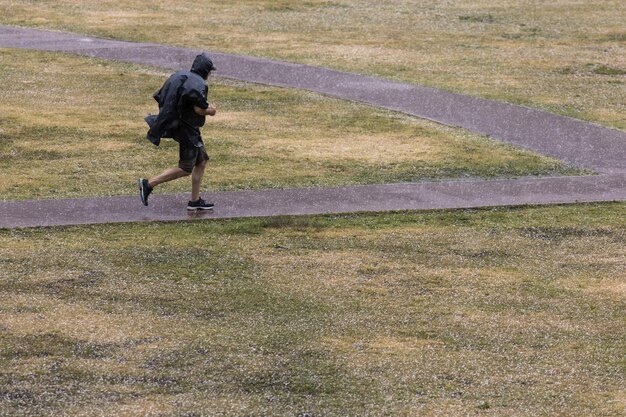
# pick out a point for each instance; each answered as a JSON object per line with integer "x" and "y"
{"x": 177, "y": 97}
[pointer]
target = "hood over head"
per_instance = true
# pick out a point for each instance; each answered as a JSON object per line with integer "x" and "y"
{"x": 202, "y": 65}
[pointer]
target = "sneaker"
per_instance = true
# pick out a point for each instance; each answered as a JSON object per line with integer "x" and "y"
{"x": 199, "y": 204}
{"x": 144, "y": 190}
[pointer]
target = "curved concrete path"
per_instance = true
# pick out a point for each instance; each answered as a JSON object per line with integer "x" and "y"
{"x": 578, "y": 143}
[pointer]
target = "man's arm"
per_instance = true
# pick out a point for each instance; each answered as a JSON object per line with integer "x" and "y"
{"x": 209, "y": 111}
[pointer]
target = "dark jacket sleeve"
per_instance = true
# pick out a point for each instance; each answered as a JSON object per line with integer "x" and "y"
{"x": 197, "y": 96}
{"x": 193, "y": 93}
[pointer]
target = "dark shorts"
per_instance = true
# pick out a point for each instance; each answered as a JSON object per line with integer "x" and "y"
{"x": 189, "y": 155}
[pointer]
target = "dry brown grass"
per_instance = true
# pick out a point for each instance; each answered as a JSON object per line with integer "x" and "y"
{"x": 566, "y": 57}
{"x": 64, "y": 135}
{"x": 500, "y": 311}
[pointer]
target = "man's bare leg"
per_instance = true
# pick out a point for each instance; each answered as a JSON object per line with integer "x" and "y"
{"x": 146, "y": 186}
{"x": 167, "y": 175}
{"x": 196, "y": 180}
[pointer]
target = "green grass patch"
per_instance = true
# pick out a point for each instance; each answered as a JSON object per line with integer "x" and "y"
{"x": 514, "y": 310}
{"x": 606, "y": 70}
{"x": 74, "y": 127}
{"x": 485, "y": 18}
{"x": 516, "y": 50}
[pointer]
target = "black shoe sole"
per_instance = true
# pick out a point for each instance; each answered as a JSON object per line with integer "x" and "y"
{"x": 199, "y": 208}
{"x": 142, "y": 193}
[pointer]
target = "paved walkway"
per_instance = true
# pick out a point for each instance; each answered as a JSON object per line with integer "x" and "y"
{"x": 578, "y": 143}
{"x": 386, "y": 197}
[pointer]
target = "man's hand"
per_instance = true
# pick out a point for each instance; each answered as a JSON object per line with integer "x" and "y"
{"x": 209, "y": 111}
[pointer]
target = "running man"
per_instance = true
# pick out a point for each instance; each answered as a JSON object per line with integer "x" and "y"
{"x": 183, "y": 108}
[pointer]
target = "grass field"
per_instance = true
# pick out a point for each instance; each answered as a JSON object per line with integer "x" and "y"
{"x": 504, "y": 311}
{"x": 568, "y": 57}
{"x": 475, "y": 312}
{"x": 64, "y": 135}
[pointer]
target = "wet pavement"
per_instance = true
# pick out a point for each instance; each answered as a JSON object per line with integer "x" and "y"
{"x": 365, "y": 198}
{"x": 581, "y": 144}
